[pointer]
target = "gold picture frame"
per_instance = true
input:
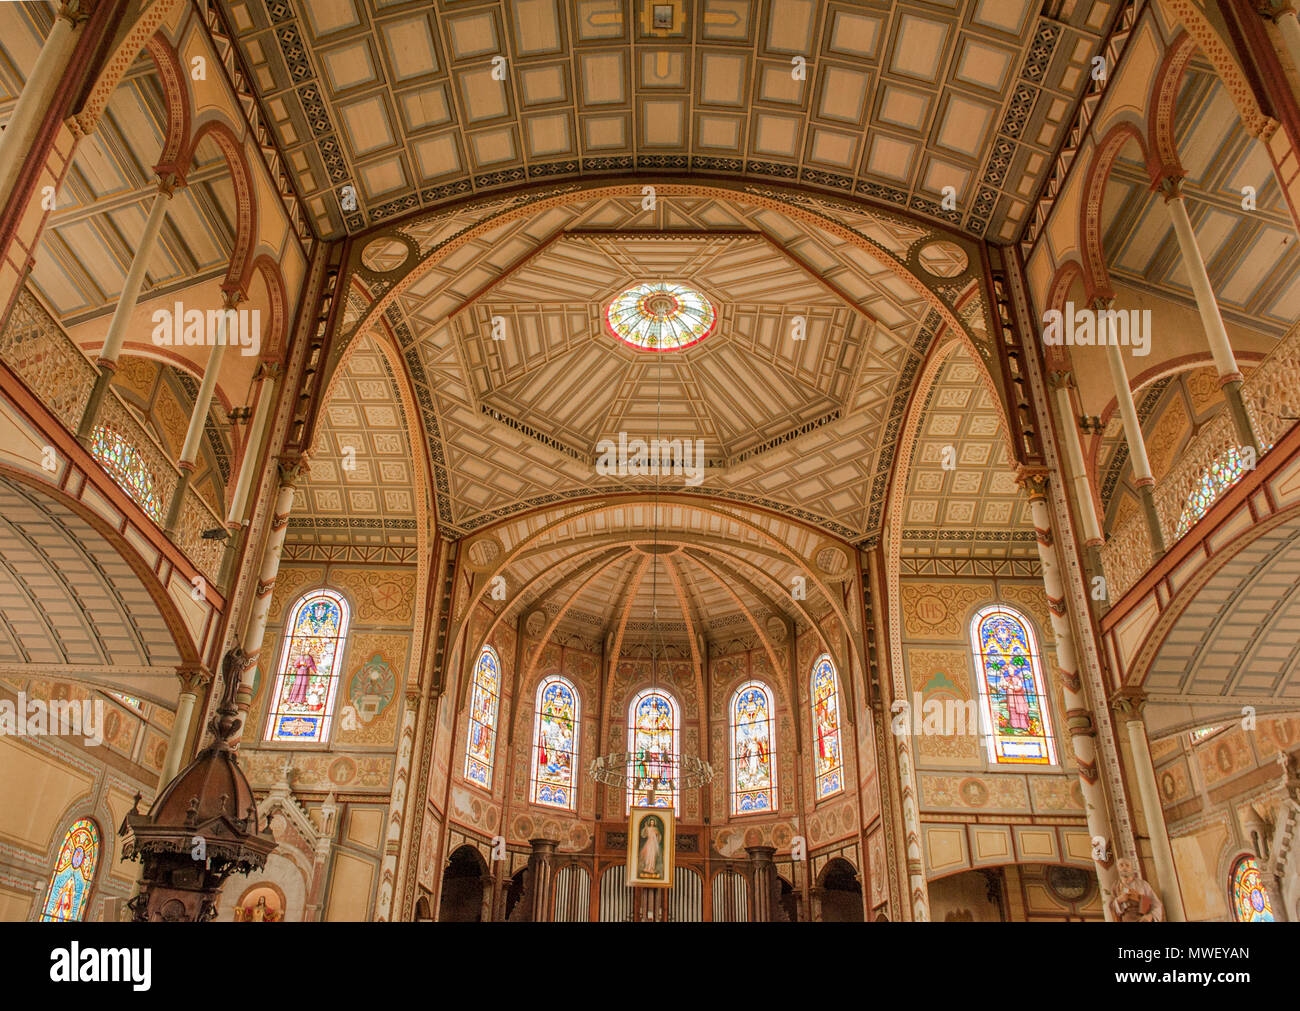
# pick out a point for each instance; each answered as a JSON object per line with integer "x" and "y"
{"x": 650, "y": 856}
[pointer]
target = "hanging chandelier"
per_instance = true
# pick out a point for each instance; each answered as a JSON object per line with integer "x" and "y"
{"x": 649, "y": 770}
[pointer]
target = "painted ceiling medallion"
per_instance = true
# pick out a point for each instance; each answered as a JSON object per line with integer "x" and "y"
{"x": 661, "y": 317}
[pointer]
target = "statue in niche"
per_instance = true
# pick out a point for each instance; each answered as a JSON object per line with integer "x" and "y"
{"x": 1134, "y": 900}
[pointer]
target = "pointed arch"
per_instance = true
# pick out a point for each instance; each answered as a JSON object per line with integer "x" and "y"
{"x": 311, "y": 660}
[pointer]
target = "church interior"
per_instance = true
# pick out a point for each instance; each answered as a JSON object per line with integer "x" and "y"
{"x": 616, "y": 460}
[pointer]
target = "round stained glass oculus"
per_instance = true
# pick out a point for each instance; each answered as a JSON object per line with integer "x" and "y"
{"x": 661, "y": 317}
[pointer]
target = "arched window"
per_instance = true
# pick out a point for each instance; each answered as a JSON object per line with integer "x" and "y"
{"x": 753, "y": 766}
{"x": 1217, "y": 478}
{"x": 302, "y": 706}
{"x": 555, "y": 744}
{"x": 653, "y": 738}
{"x": 74, "y": 873}
{"x": 1013, "y": 698}
{"x": 1249, "y": 896}
{"x": 481, "y": 738}
{"x": 826, "y": 728}
{"x": 127, "y": 467}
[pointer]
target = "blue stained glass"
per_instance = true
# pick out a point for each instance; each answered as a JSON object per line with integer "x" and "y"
{"x": 653, "y": 736}
{"x": 1018, "y": 729}
{"x": 753, "y": 767}
{"x": 74, "y": 873}
{"x": 826, "y": 728}
{"x": 555, "y": 744}
{"x": 481, "y": 735}
{"x": 126, "y": 467}
{"x": 302, "y": 706}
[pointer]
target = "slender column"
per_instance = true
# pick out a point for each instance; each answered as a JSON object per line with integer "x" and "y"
{"x": 1283, "y": 15}
{"x": 53, "y": 62}
{"x": 268, "y": 376}
{"x": 397, "y": 808}
{"x": 1061, "y": 384}
{"x": 126, "y": 304}
{"x": 192, "y": 679}
{"x": 199, "y": 415}
{"x": 1137, "y": 447}
{"x": 764, "y": 874}
{"x": 291, "y": 471}
{"x": 1225, "y": 362}
{"x": 1078, "y": 714}
{"x": 1129, "y": 706}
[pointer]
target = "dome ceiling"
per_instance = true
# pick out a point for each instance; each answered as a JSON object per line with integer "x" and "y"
{"x": 405, "y": 106}
{"x": 795, "y": 396}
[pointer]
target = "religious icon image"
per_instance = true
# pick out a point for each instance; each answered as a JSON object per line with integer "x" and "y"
{"x": 304, "y": 696}
{"x": 1006, "y": 651}
{"x": 650, "y": 844}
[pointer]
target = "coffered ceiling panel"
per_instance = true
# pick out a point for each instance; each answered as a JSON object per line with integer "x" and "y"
{"x": 413, "y": 104}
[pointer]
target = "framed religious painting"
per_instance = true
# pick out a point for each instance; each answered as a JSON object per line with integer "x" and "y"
{"x": 650, "y": 847}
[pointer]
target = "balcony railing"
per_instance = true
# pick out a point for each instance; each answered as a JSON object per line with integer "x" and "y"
{"x": 1272, "y": 395}
{"x": 56, "y": 371}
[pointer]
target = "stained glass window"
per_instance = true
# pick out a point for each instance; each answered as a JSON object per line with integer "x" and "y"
{"x": 126, "y": 466}
{"x": 480, "y": 739}
{"x": 1221, "y": 475}
{"x": 653, "y": 736}
{"x": 555, "y": 744}
{"x": 826, "y": 728}
{"x": 129, "y": 700}
{"x": 753, "y": 767}
{"x": 1013, "y": 700}
{"x": 74, "y": 873}
{"x": 661, "y": 317}
{"x": 1249, "y": 896}
{"x": 302, "y": 706}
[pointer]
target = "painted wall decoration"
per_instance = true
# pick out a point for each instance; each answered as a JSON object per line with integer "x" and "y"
{"x": 371, "y": 689}
{"x": 1012, "y": 697}
{"x": 753, "y": 770}
{"x": 302, "y": 705}
{"x": 480, "y": 742}
{"x": 555, "y": 744}
{"x": 74, "y": 873}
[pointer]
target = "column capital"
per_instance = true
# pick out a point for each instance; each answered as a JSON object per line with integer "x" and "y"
{"x": 1169, "y": 183}
{"x": 269, "y": 370}
{"x": 1273, "y": 10}
{"x": 293, "y": 468}
{"x": 193, "y": 677}
{"x": 1033, "y": 480}
{"x": 1101, "y": 302}
{"x": 75, "y": 12}
{"x": 169, "y": 181}
{"x": 1061, "y": 379}
{"x": 1129, "y": 703}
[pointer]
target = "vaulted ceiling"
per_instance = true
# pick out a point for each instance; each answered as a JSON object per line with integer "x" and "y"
{"x": 1251, "y": 252}
{"x": 519, "y": 378}
{"x": 405, "y": 105}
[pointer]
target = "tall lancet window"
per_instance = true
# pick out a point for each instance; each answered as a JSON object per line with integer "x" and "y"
{"x": 481, "y": 738}
{"x": 1013, "y": 695}
{"x": 74, "y": 873}
{"x": 654, "y": 746}
{"x": 555, "y": 744}
{"x": 302, "y": 707}
{"x": 827, "y": 757}
{"x": 753, "y": 765}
